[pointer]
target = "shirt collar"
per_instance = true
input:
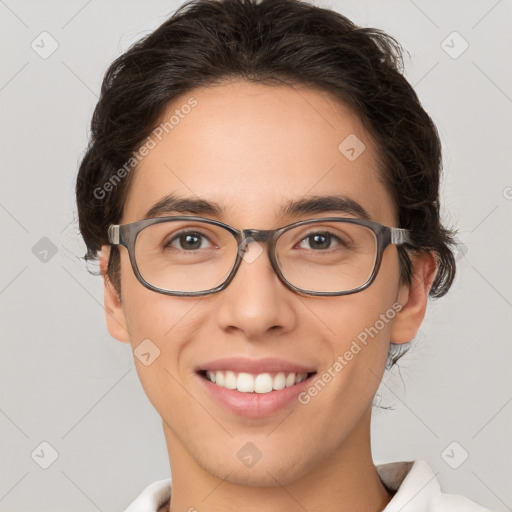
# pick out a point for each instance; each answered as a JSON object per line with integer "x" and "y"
{"x": 415, "y": 485}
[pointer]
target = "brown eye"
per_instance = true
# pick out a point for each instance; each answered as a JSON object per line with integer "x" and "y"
{"x": 321, "y": 240}
{"x": 188, "y": 241}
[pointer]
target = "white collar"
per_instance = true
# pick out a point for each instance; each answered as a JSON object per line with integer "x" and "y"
{"x": 415, "y": 485}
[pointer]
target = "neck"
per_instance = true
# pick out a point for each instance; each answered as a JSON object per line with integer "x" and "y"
{"x": 346, "y": 480}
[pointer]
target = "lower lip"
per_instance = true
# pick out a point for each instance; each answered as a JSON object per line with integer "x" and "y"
{"x": 255, "y": 405}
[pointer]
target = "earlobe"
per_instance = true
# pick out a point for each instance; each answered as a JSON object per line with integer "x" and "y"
{"x": 414, "y": 297}
{"x": 114, "y": 312}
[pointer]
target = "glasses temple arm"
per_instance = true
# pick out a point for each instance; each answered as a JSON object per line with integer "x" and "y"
{"x": 400, "y": 236}
{"x": 113, "y": 234}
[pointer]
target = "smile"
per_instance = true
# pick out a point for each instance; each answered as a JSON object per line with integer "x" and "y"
{"x": 254, "y": 388}
{"x": 255, "y": 383}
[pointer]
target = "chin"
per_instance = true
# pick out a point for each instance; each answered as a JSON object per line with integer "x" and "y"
{"x": 262, "y": 477}
{"x": 277, "y": 471}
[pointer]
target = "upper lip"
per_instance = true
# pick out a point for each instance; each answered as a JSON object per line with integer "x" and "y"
{"x": 255, "y": 366}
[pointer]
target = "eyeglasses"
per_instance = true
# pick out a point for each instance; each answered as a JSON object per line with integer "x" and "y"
{"x": 193, "y": 256}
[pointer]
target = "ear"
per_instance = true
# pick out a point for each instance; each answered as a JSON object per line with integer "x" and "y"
{"x": 413, "y": 297}
{"x": 114, "y": 313}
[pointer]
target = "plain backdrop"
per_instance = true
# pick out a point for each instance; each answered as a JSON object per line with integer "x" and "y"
{"x": 65, "y": 383}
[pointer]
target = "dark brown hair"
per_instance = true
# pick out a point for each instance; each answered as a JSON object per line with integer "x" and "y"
{"x": 207, "y": 42}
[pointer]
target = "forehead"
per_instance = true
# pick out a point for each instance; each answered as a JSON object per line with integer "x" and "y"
{"x": 252, "y": 148}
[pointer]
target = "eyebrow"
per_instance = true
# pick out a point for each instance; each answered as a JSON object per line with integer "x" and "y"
{"x": 324, "y": 204}
{"x": 188, "y": 205}
{"x": 311, "y": 205}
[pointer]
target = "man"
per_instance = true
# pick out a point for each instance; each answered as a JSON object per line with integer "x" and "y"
{"x": 273, "y": 180}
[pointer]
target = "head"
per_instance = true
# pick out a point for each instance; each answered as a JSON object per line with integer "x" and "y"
{"x": 250, "y": 107}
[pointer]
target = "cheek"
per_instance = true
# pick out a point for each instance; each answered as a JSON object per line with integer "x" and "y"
{"x": 358, "y": 344}
{"x": 365, "y": 316}
{"x": 159, "y": 327}
{"x": 149, "y": 314}
{"x": 345, "y": 387}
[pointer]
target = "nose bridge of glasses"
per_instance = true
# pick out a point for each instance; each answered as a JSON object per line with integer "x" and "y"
{"x": 256, "y": 235}
{"x": 253, "y": 235}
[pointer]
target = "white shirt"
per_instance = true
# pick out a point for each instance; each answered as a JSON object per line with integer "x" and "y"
{"x": 416, "y": 489}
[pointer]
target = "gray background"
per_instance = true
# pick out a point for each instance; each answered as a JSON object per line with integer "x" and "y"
{"x": 66, "y": 382}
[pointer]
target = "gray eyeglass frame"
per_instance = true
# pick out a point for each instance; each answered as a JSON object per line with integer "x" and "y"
{"x": 126, "y": 235}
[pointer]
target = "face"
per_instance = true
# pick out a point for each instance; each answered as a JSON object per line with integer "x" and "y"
{"x": 252, "y": 149}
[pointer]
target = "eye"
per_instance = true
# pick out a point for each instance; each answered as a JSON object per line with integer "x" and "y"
{"x": 320, "y": 241}
{"x": 188, "y": 241}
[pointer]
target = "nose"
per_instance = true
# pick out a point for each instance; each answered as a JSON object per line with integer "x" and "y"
{"x": 256, "y": 302}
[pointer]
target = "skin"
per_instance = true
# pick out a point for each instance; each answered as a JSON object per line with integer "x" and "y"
{"x": 251, "y": 148}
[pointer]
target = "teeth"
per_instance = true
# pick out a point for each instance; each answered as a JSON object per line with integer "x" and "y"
{"x": 248, "y": 383}
{"x": 263, "y": 383}
{"x": 301, "y": 377}
{"x": 279, "y": 381}
{"x": 245, "y": 383}
{"x": 230, "y": 381}
{"x": 219, "y": 378}
{"x": 290, "y": 380}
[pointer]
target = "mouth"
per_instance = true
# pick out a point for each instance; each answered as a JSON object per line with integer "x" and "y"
{"x": 254, "y": 388}
{"x": 262, "y": 383}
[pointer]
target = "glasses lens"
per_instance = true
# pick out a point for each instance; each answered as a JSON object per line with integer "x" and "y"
{"x": 185, "y": 256}
{"x": 327, "y": 256}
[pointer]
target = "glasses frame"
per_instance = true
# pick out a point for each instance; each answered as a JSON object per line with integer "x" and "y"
{"x": 126, "y": 235}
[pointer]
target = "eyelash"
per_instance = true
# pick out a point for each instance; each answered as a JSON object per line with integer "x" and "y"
{"x": 198, "y": 234}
